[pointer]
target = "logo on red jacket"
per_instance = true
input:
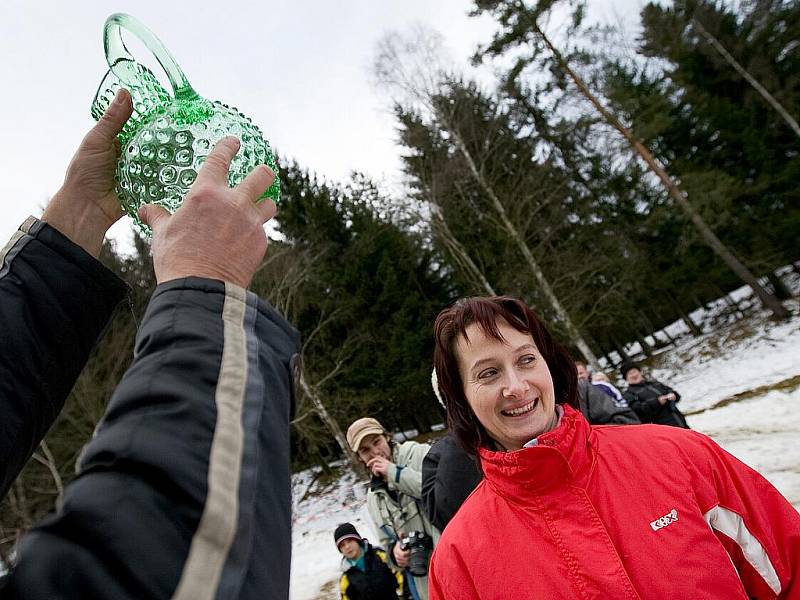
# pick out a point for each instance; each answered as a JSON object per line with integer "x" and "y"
{"x": 668, "y": 518}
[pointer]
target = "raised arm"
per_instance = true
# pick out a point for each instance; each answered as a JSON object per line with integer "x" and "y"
{"x": 55, "y": 297}
{"x": 184, "y": 490}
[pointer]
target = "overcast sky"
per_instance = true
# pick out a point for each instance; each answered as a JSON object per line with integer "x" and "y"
{"x": 300, "y": 70}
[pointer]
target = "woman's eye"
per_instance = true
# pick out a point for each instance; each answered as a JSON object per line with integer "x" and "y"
{"x": 527, "y": 359}
{"x": 487, "y": 373}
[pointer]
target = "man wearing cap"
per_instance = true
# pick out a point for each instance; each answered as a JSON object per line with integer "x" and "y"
{"x": 394, "y": 498}
{"x": 651, "y": 400}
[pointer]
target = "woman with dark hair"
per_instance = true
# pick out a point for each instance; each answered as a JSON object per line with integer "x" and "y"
{"x": 566, "y": 510}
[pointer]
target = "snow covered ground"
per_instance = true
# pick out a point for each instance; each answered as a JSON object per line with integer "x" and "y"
{"x": 315, "y": 560}
{"x": 741, "y": 357}
{"x": 740, "y": 385}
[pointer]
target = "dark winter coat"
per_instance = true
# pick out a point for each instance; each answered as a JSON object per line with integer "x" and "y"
{"x": 55, "y": 301}
{"x": 375, "y": 582}
{"x": 643, "y": 399}
{"x": 600, "y": 409}
{"x": 183, "y": 492}
{"x": 448, "y": 476}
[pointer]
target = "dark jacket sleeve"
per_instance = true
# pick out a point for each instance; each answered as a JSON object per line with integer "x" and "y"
{"x": 55, "y": 301}
{"x": 601, "y": 408}
{"x": 668, "y": 390}
{"x": 646, "y": 407}
{"x": 448, "y": 476}
{"x": 184, "y": 490}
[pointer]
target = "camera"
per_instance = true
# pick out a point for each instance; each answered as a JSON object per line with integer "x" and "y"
{"x": 377, "y": 482}
{"x": 420, "y": 544}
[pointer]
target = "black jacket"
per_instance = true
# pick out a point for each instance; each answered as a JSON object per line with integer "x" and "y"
{"x": 375, "y": 582}
{"x": 600, "y": 409}
{"x": 55, "y": 301}
{"x": 448, "y": 476}
{"x": 183, "y": 492}
{"x": 643, "y": 399}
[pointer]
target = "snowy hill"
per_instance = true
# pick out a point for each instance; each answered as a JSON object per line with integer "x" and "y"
{"x": 740, "y": 384}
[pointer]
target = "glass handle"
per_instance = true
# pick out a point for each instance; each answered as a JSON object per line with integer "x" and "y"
{"x": 116, "y": 51}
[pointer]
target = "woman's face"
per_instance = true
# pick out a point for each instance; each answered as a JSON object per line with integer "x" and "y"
{"x": 507, "y": 384}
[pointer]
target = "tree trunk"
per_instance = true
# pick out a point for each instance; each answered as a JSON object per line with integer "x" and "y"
{"x": 709, "y": 237}
{"x": 656, "y": 317}
{"x": 457, "y": 250}
{"x": 669, "y": 338}
{"x": 749, "y": 78}
{"x": 620, "y": 348}
{"x": 693, "y": 327}
{"x": 647, "y": 350}
{"x": 778, "y": 287}
{"x": 574, "y": 335}
{"x": 699, "y": 302}
{"x": 732, "y": 304}
{"x": 323, "y": 464}
{"x": 313, "y": 395}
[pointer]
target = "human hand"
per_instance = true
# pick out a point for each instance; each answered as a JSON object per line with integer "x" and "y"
{"x": 379, "y": 466}
{"x": 218, "y": 232}
{"x": 665, "y": 398}
{"x": 86, "y": 205}
{"x": 401, "y": 557}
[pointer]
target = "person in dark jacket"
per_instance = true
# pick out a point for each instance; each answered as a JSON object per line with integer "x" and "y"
{"x": 651, "y": 400}
{"x": 448, "y": 476}
{"x": 183, "y": 492}
{"x": 367, "y": 575}
{"x": 600, "y": 409}
{"x": 601, "y": 403}
{"x": 601, "y": 381}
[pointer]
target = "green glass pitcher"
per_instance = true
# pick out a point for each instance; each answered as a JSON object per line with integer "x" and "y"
{"x": 168, "y": 136}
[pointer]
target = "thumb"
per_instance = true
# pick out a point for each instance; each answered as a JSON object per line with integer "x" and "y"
{"x": 152, "y": 214}
{"x": 116, "y": 115}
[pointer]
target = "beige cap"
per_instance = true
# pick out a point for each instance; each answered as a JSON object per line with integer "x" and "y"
{"x": 361, "y": 429}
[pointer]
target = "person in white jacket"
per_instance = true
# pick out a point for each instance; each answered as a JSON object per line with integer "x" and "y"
{"x": 394, "y": 499}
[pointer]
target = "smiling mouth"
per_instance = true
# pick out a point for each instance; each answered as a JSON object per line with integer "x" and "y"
{"x": 522, "y": 410}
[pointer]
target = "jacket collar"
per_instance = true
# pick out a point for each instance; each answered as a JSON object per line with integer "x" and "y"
{"x": 563, "y": 455}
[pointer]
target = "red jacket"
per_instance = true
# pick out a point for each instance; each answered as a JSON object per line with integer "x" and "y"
{"x": 640, "y": 511}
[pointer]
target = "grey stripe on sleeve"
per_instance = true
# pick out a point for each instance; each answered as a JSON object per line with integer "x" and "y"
{"x": 15, "y": 246}
{"x": 216, "y": 531}
{"x": 237, "y": 563}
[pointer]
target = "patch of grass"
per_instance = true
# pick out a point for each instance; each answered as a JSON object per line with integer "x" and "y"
{"x": 329, "y": 590}
{"x": 322, "y": 481}
{"x": 787, "y": 385}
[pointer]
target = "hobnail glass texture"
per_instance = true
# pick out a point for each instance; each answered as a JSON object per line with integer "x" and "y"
{"x": 161, "y": 160}
{"x": 167, "y": 139}
{"x": 147, "y": 95}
